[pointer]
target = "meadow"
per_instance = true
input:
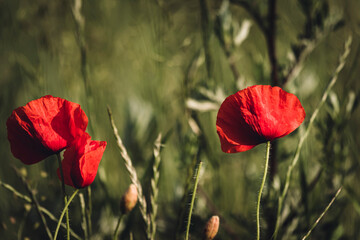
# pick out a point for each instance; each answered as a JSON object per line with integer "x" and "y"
{"x": 163, "y": 68}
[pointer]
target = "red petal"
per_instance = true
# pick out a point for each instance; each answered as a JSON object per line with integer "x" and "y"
{"x": 43, "y": 127}
{"x": 255, "y": 115}
{"x": 81, "y": 161}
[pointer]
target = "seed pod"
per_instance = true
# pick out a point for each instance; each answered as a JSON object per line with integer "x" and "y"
{"x": 129, "y": 199}
{"x": 211, "y": 228}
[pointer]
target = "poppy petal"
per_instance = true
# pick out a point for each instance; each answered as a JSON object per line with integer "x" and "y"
{"x": 43, "y": 127}
{"x": 255, "y": 115}
{"x": 81, "y": 161}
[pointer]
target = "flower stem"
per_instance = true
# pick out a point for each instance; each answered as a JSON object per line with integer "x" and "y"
{"x": 116, "y": 233}
{"x": 261, "y": 189}
{"x": 193, "y": 201}
{"x": 65, "y": 196}
{"x": 83, "y": 216}
{"x": 89, "y": 210}
{"x": 65, "y": 210}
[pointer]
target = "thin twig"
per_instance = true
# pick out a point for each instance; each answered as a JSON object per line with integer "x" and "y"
{"x": 35, "y": 202}
{"x": 22, "y": 224}
{"x": 15, "y": 192}
{"x": 332, "y": 82}
{"x": 132, "y": 173}
{"x": 322, "y": 214}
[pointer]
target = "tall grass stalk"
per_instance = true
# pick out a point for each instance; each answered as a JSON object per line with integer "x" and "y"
{"x": 193, "y": 200}
{"x": 154, "y": 186}
{"x": 132, "y": 173}
{"x": 332, "y": 82}
{"x": 322, "y": 214}
{"x": 79, "y": 21}
{"x": 261, "y": 189}
{"x": 63, "y": 212}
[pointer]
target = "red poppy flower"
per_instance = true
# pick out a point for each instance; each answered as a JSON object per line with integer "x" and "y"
{"x": 81, "y": 161}
{"x": 256, "y": 115}
{"x": 44, "y": 127}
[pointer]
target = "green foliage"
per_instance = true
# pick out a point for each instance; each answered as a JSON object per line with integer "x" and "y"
{"x": 166, "y": 66}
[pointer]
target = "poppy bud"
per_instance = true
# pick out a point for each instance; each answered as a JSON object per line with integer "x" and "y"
{"x": 211, "y": 228}
{"x": 129, "y": 199}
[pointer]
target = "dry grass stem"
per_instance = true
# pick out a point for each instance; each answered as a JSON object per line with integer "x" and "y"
{"x": 132, "y": 172}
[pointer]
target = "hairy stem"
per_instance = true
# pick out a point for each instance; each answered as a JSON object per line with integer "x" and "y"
{"x": 64, "y": 196}
{"x": 63, "y": 212}
{"x": 261, "y": 189}
{"x": 192, "y": 201}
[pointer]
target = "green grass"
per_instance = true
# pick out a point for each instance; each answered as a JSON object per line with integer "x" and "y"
{"x": 144, "y": 60}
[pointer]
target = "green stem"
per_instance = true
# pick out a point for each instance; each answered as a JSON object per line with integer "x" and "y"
{"x": 64, "y": 195}
{"x": 116, "y": 233}
{"x": 42, "y": 209}
{"x": 83, "y": 216}
{"x": 63, "y": 212}
{"x": 89, "y": 210}
{"x": 322, "y": 214}
{"x": 261, "y": 189}
{"x": 193, "y": 201}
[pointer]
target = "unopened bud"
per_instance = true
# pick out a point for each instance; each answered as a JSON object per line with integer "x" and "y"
{"x": 211, "y": 228}
{"x": 129, "y": 199}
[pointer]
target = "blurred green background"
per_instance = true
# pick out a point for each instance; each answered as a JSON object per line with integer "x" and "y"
{"x": 165, "y": 66}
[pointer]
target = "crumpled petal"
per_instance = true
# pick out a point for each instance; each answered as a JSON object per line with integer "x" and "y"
{"x": 256, "y": 115}
{"x": 81, "y": 161}
{"x": 44, "y": 127}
